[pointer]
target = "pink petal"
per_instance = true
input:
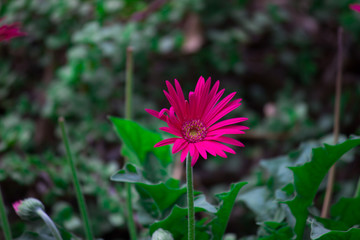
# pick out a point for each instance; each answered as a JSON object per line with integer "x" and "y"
{"x": 218, "y": 107}
{"x": 203, "y": 98}
{"x": 228, "y": 130}
{"x": 156, "y": 114}
{"x": 228, "y": 108}
{"x": 194, "y": 158}
{"x": 218, "y": 146}
{"x": 180, "y": 95}
{"x": 176, "y": 101}
{"x": 171, "y": 130}
{"x": 192, "y": 104}
{"x": 199, "y": 85}
{"x": 213, "y": 100}
{"x": 163, "y": 111}
{"x": 222, "y": 147}
{"x": 173, "y": 103}
{"x": 225, "y": 148}
{"x": 207, "y": 148}
{"x": 173, "y": 119}
{"x": 355, "y": 7}
{"x": 192, "y": 149}
{"x": 16, "y": 205}
{"x": 201, "y": 150}
{"x": 227, "y": 122}
{"x": 184, "y": 153}
{"x": 228, "y": 141}
{"x": 7, "y": 32}
{"x": 214, "y": 147}
{"x": 166, "y": 142}
{"x": 179, "y": 144}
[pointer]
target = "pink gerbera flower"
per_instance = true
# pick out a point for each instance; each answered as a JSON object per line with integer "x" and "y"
{"x": 355, "y": 7}
{"x": 194, "y": 121}
{"x": 8, "y": 32}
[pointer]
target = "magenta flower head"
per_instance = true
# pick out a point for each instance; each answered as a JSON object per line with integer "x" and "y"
{"x": 8, "y": 32}
{"x": 355, "y": 7}
{"x": 195, "y": 124}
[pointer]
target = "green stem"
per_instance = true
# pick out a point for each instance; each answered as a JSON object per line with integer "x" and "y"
{"x": 4, "y": 220}
{"x": 131, "y": 223}
{"x": 79, "y": 195}
{"x": 129, "y": 83}
{"x": 190, "y": 199}
{"x": 49, "y": 223}
{"x": 128, "y": 115}
{"x": 357, "y": 192}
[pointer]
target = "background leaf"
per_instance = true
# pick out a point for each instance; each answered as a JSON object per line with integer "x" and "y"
{"x": 139, "y": 141}
{"x": 319, "y": 232}
{"x": 308, "y": 177}
{"x": 219, "y": 223}
{"x": 277, "y": 231}
{"x": 176, "y": 223}
{"x": 345, "y": 211}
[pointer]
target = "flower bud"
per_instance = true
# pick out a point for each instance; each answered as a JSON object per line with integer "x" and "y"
{"x": 27, "y": 209}
{"x": 162, "y": 234}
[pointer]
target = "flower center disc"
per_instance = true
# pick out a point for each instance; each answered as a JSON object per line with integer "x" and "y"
{"x": 193, "y": 131}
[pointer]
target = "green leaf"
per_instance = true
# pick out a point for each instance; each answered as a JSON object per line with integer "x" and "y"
{"x": 346, "y": 210}
{"x": 277, "y": 231}
{"x": 159, "y": 198}
{"x": 176, "y": 223}
{"x": 131, "y": 174}
{"x": 162, "y": 194}
{"x": 352, "y": 234}
{"x": 219, "y": 223}
{"x": 308, "y": 177}
{"x": 139, "y": 141}
{"x": 319, "y": 232}
{"x": 332, "y": 224}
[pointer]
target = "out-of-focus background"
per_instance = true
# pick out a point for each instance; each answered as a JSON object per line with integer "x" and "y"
{"x": 279, "y": 56}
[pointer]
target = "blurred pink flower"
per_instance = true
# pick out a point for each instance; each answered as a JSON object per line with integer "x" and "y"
{"x": 16, "y": 205}
{"x": 8, "y": 32}
{"x": 355, "y": 7}
{"x": 194, "y": 121}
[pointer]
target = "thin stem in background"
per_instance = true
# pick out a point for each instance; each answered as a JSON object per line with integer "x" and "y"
{"x": 190, "y": 199}
{"x": 4, "y": 220}
{"x": 129, "y": 83}
{"x": 357, "y": 192}
{"x": 128, "y": 115}
{"x": 331, "y": 177}
{"x": 49, "y": 223}
{"x": 79, "y": 195}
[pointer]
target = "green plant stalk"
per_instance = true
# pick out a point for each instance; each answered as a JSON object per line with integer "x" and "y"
{"x": 190, "y": 199}
{"x": 4, "y": 220}
{"x": 79, "y": 195}
{"x": 357, "y": 192}
{"x": 49, "y": 223}
{"x": 128, "y": 115}
{"x": 131, "y": 222}
{"x": 129, "y": 83}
